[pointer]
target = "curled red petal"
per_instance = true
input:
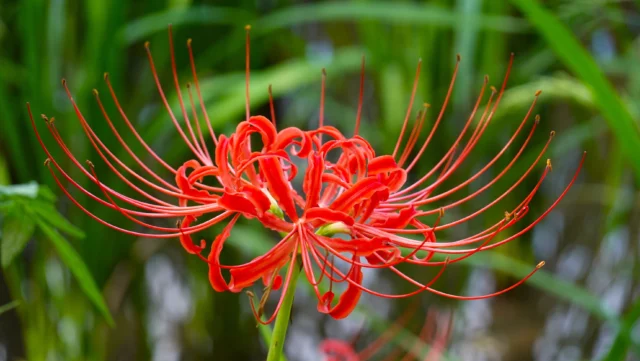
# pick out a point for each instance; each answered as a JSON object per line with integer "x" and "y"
{"x": 348, "y": 300}
{"x": 245, "y": 275}
{"x": 187, "y": 241}
{"x": 272, "y": 172}
{"x": 250, "y": 201}
{"x": 260, "y": 125}
{"x": 312, "y": 184}
{"x": 273, "y": 282}
{"x": 359, "y": 192}
{"x": 215, "y": 272}
{"x": 186, "y": 186}
{"x": 383, "y": 256}
{"x": 333, "y": 132}
{"x": 381, "y": 164}
{"x": 394, "y": 180}
{"x": 222, "y": 161}
{"x": 398, "y": 220}
{"x": 288, "y": 136}
{"x": 362, "y": 246}
{"x": 328, "y": 215}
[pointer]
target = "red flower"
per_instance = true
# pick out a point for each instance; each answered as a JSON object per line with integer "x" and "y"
{"x": 347, "y": 190}
{"x": 434, "y": 333}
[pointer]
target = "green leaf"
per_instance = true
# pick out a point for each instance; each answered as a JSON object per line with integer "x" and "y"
{"x": 78, "y": 268}
{"x": 29, "y": 190}
{"x": 147, "y": 25}
{"x": 576, "y": 58}
{"x": 17, "y": 229}
{"x": 621, "y": 343}
{"x": 393, "y": 13}
{"x": 9, "y": 306}
{"x": 50, "y": 214}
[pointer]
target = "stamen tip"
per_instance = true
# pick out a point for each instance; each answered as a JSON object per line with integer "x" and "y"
{"x": 552, "y": 134}
{"x": 247, "y": 27}
{"x": 95, "y": 91}
{"x": 106, "y": 76}
{"x": 540, "y": 265}
{"x": 64, "y": 82}
{"x": 537, "y": 118}
{"x": 458, "y": 57}
{"x": 89, "y": 163}
{"x": 538, "y": 92}
{"x": 47, "y": 161}
{"x": 324, "y": 72}
{"x": 189, "y": 42}
{"x": 493, "y": 89}
{"x": 426, "y": 105}
{"x": 549, "y": 164}
{"x": 147, "y": 44}
{"x": 486, "y": 78}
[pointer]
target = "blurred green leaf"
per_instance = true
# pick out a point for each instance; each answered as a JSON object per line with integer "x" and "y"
{"x": 9, "y": 306}
{"x": 145, "y": 26}
{"x": 18, "y": 227}
{"x": 576, "y": 58}
{"x": 623, "y": 341}
{"x": 557, "y": 88}
{"x": 49, "y": 213}
{"x": 388, "y": 12}
{"x": 29, "y": 190}
{"x": 78, "y": 268}
{"x": 393, "y": 13}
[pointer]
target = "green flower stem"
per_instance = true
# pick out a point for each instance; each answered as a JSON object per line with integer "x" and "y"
{"x": 283, "y": 317}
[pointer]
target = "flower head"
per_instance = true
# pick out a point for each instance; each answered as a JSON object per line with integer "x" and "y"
{"x": 355, "y": 207}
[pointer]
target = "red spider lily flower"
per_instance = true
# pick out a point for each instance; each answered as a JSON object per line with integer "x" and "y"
{"x": 434, "y": 333}
{"x": 347, "y": 190}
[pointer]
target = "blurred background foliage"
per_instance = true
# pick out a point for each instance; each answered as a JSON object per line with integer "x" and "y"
{"x": 71, "y": 289}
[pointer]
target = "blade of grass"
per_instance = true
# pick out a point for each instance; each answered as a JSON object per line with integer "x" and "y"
{"x": 465, "y": 44}
{"x": 623, "y": 341}
{"x": 145, "y": 26}
{"x": 9, "y": 306}
{"x": 572, "y": 53}
{"x": 392, "y": 13}
{"x": 78, "y": 268}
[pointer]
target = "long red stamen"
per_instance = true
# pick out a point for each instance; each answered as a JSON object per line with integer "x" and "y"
{"x": 197, "y": 84}
{"x": 406, "y": 118}
{"x": 166, "y": 103}
{"x": 356, "y": 128}
{"x": 185, "y": 116}
{"x": 247, "y": 71}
